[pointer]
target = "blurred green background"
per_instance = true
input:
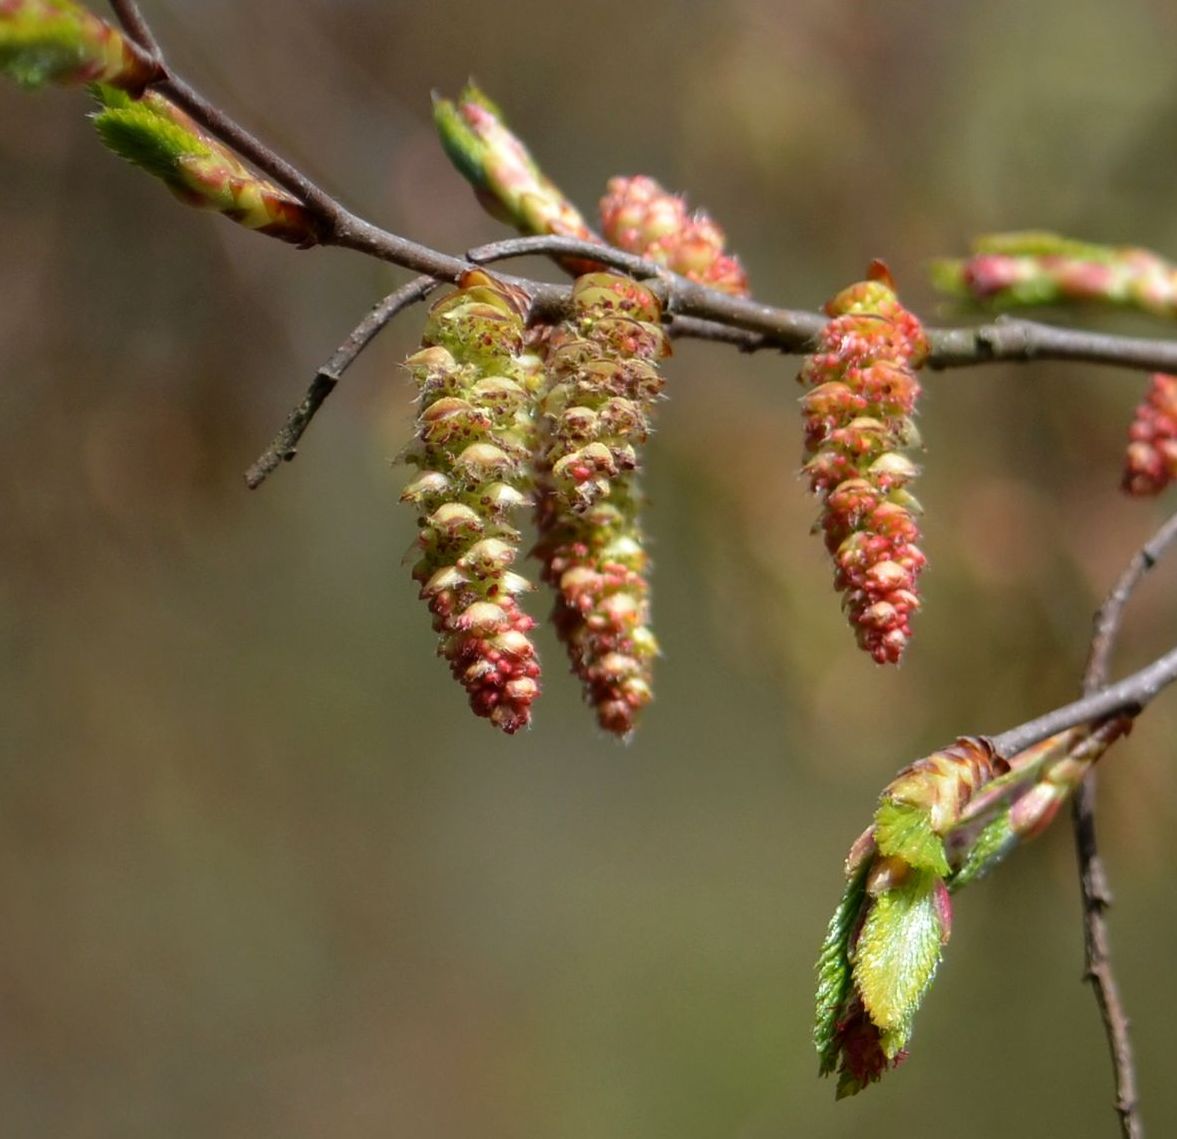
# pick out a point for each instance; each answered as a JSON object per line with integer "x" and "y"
{"x": 261, "y": 873}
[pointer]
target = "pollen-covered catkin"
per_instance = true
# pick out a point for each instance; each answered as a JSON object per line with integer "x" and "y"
{"x": 862, "y": 394}
{"x": 602, "y": 382}
{"x": 475, "y": 438}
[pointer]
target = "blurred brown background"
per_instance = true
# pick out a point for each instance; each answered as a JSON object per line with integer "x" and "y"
{"x": 260, "y": 872}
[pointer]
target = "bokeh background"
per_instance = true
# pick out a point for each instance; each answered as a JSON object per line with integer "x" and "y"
{"x": 260, "y": 872}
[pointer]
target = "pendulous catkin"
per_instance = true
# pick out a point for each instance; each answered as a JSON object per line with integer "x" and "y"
{"x": 475, "y": 438}
{"x": 857, "y": 412}
{"x": 602, "y": 382}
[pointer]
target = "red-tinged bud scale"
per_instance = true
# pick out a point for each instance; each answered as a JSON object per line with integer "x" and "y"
{"x": 942, "y": 784}
{"x": 476, "y": 435}
{"x": 858, "y": 418}
{"x": 1150, "y": 462}
{"x": 602, "y": 382}
{"x": 638, "y": 215}
{"x": 506, "y": 179}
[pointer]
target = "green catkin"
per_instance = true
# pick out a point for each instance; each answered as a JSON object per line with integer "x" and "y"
{"x": 476, "y": 435}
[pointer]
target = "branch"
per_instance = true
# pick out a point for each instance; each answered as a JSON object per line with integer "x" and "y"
{"x": 1093, "y": 883}
{"x": 284, "y": 446}
{"x": 1130, "y": 695}
{"x": 1023, "y": 341}
{"x": 790, "y": 330}
{"x": 552, "y": 246}
{"x": 695, "y": 328}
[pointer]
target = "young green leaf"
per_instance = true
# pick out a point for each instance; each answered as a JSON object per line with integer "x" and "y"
{"x": 904, "y": 830}
{"x": 992, "y": 844}
{"x": 897, "y": 954}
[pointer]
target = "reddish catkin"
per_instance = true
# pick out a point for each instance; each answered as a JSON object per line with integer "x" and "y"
{"x": 602, "y": 381}
{"x": 638, "y": 215}
{"x": 857, "y": 416}
{"x": 1150, "y": 462}
{"x": 475, "y": 439}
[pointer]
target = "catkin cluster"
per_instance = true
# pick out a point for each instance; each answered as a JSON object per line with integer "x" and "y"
{"x": 602, "y": 382}
{"x": 475, "y": 438}
{"x": 858, "y": 421}
{"x": 638, "y": 215}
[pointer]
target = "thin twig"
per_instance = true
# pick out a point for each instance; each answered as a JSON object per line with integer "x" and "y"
{"x": 1131, "y": 695}
{"x": 552, "y": 246}
{"x": 1111, "y": 612}
{"x": 128, "y": 15}
{"x": 695, "y": 328}
{"x": 1093, "y": 882}
{"x": 285, "y": 444}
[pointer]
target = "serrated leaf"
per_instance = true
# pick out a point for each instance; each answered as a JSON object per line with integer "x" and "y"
{"x": 110, "y": 97}
{"x": 905, "y": 831}
{"x": 993, "y": 842}
{"x": 897, "y": 954}
{"x": 834, "y": 981}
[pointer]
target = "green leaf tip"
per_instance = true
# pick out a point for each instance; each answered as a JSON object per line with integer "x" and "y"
{"x": 138, "y": 132}
{"x": 472, "y": 93}
{"x": 152, "y": 133}
{"x": 505, "y": 178}
{"x": 461, "y": 143}
{"x": 903, "y": 830}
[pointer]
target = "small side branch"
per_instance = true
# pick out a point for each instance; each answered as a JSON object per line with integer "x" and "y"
{"x": 285, "y": 444}
{"x": 1093, "y": 883}
{"x": 1111, "y": 613}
